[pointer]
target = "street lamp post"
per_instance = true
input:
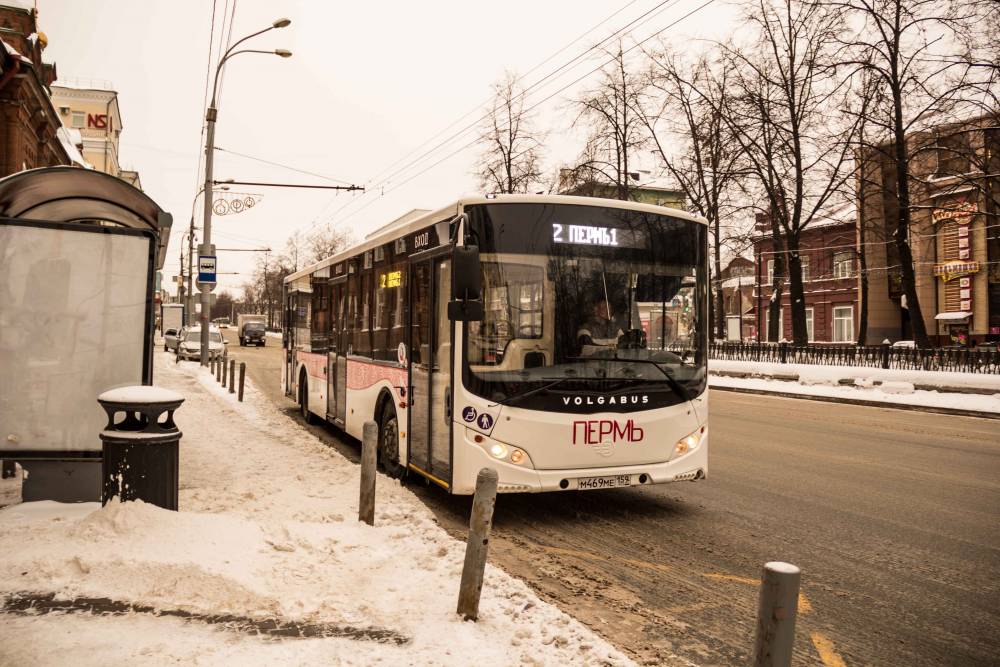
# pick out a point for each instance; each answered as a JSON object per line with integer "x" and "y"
{"x": 210, "y": 117}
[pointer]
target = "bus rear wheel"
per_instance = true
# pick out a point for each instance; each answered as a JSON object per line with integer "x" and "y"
{"x": 388, "y": 443}
{"x": 307, "y": 416}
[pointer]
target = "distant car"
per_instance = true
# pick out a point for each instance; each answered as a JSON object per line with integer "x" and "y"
{"x": 909, "y": 344}
{"x": 253, "y": 333}
{"x": 190, "y": 344}
{"x": 170, "y": 338}
{"x": 221, "y": 322}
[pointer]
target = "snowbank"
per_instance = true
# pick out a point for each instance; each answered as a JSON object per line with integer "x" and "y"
{"x": 889, "y": 392}
{"x": 816, "y": 374}
{"x": 267, "y": 530}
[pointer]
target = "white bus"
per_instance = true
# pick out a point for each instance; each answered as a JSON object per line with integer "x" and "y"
{"x": 562, "y": 341}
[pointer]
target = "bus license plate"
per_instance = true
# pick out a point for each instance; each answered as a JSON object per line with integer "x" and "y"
{"x": 610, "y": 482}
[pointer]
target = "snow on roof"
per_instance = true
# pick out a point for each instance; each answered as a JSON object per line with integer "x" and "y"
{"x": 958, "y": 315}
{"x": 14, "y": 53}
{"x": 836, "y": 215}
{"x": 26, "y": 5}
{"x": 70, "y": 138}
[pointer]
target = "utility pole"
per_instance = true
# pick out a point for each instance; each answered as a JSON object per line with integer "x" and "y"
{"x": 211, "y": 116}
{"x": 190, "y": 289}
{"x": 180, "y": 287}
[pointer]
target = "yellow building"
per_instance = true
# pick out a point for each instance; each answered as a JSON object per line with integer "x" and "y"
{"x": 94, "y": 112}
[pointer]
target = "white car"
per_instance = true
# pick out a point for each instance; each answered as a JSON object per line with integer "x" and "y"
{"x": 189, "y": 346}
{"x": 170, "y": 339}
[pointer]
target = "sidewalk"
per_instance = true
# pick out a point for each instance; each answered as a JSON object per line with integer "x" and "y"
{"x": 264, "y": 564}
{"x": 974, "y": 394}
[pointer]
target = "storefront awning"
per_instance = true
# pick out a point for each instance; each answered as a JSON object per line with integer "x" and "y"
{"x": 957, "y": 316}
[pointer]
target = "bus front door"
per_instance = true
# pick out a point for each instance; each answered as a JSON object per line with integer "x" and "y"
{"x": 289, "y": 343}
{"x": 430, "y": 358}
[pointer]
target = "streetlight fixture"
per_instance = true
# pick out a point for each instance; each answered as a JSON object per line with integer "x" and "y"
{"x": 211, "y": 114}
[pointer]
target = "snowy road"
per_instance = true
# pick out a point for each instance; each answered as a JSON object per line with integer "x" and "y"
{"x": 892, "y": 516}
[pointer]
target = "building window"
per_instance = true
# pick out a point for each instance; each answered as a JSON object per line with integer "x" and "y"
{"x": 79, "y": 119}
{"x": 781, "y": 324}
{"x": 843, "y": 324}
{"x": 770, "y": 271}
{"x": 809, "y": 325}
{"x": 804, "y": 261}
{"x": 953, "y": 155}
{"x": 843, "y": 264}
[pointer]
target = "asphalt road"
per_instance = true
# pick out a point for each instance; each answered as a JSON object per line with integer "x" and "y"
{"x": 893, "y": 516}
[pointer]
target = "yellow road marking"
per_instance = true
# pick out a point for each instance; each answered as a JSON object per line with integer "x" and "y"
{"x": 824, "y": 647}
{"x": 731, "y": 577}
{"x": 804, "y": 607}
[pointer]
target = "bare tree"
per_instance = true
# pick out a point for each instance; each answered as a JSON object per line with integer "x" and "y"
{"x": 683, "y": 114}
{"x": 786, "y": 119}
{"x": 511, "y": 159}
{"x": 897, "y": 45}
{"x": 611, "y": 112}
{"x": 327, "y": 241}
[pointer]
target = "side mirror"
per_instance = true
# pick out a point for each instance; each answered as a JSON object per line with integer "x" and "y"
{"x": 466, "y": 274}
{"x": 466, "y": 286}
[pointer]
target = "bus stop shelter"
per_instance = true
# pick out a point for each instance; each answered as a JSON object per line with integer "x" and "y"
{"x": 79, "y": 250}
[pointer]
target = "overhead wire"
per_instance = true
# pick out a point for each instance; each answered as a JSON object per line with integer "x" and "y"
{"x": 379, "y": 187}
{"x": 532, "y": 107}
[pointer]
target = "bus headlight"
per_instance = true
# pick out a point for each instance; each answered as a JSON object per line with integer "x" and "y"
{"x": 689, "y": 443}
{"x": 499, "y": 451}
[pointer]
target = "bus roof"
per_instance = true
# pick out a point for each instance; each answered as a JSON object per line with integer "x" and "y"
{"x": 406, "y": 224}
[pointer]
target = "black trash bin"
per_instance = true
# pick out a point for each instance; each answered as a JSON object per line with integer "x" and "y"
{"x": 140, "y": 445}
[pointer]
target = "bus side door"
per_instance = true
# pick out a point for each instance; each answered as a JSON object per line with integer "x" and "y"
{"x": 430, "y": 346}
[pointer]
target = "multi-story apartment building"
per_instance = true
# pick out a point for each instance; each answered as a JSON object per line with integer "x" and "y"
{"x": 954, "y": 233}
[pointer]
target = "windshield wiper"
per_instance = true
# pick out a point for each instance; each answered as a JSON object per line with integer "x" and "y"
{"x": 674, "y": 385}
{"x": 531, "y": 392}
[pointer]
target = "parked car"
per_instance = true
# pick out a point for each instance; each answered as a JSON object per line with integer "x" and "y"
{"x": 190, "y": 343}
{"x": 170, "y": 338}
{"x": 253, "y": 333}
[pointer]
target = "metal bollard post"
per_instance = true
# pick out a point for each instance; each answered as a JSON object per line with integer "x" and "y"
{"x": 779, "y": 599}
{"x": 225, "y": 369}
{"x": 218, "y": 370}
{"x": 243, "y": 374}
{"x": 232, "y": 376}
{"x": 369, "y": 446}
{"x": 480, "y": 522}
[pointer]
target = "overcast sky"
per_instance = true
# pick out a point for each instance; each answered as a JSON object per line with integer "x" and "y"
{"x": 368, "y": 83}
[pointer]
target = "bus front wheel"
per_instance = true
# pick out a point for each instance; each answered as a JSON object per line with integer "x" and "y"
{"x": 307, "y": 416}
{"x": 388, "y": 443}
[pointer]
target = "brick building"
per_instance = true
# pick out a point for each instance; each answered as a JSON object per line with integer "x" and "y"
{"x": 828, "y": 248}
{"x": 737, "y": 283}
{"x": 29, "y": 124}
{"x": 955, "y": 213}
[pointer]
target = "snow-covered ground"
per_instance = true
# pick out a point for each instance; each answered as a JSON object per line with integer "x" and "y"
{"x": 267, "y": 530}
{"x": 898, "y": 387}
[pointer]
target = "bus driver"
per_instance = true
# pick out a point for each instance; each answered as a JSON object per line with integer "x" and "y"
{"x": 600, "y": 332}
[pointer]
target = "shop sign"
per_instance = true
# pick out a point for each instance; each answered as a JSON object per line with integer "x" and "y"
{"x": 961, "y": 213}
{"x": 948, "y": 271}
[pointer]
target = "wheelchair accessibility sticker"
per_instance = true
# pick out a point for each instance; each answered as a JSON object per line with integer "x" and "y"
{"x": 469, "y": 413}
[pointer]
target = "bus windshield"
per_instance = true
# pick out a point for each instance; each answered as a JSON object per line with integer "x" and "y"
{"x": 582, "y": 300}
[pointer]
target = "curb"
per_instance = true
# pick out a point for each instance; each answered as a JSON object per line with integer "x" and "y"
{"x": 860, "y": 401}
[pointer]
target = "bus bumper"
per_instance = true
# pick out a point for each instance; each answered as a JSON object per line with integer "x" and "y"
{"x": 520, "y": 479}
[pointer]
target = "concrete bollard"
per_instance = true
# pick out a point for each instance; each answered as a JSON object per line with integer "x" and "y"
{"x": 779, "y": 599}
{"x": 232, "y": 376}
{"x": 480, "y": 522}
{"x": 243, "y": 374}
{"x": 369, "y": 447}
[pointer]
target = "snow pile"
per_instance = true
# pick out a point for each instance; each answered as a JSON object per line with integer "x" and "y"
{"x": 977, "y": 392}
{"x": 267, "y": 530}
